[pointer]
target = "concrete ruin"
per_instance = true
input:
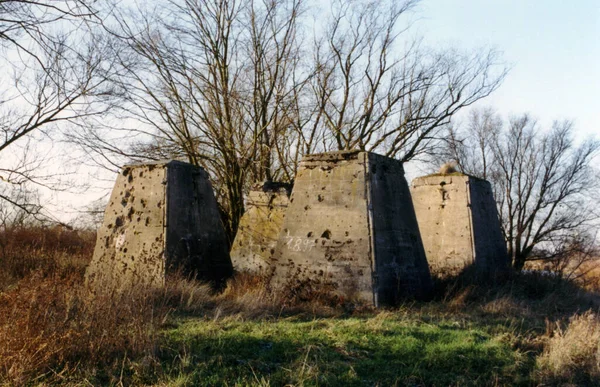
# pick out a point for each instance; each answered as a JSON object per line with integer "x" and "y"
{"x": 350, "y": 227}
{"x": 259, "y": 228}
{"x": 459, "y": 224}
{"x": 162, "y": 218}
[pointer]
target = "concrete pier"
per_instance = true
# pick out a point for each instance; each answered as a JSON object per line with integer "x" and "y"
{"x": 162, "y": 218}
{"x": 459, "y": 224}
{"x": 259, "y": 229}
{"x": 351, "y": 227}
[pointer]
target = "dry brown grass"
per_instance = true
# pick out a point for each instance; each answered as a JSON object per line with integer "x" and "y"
{"x": 50, "y": 326}
{"x": 590, "y": 275}
{"x": 572, "y": 353}
{"x": 249, "y": 297}
{"x": 246, "y": 294}
{"x": 43, "y": 251}
{"x": 53, "y": 331}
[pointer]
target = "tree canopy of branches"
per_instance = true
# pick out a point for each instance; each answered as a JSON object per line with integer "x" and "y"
{"x": 544, "y": 183}
{"x": 244, "y": 89}
{"x": 50, "y": 61}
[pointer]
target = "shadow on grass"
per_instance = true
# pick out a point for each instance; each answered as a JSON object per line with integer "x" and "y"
{"x": 348, "y": 351}
{"x": 475, "y": 332}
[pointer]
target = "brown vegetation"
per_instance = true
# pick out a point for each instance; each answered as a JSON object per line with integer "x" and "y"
{"x": 53, "y": 331}
{"x": 49, "y": 324}
{"x": 51, "y": 327}
{"x": 43, "y": 251}
{"x": 572, "y": 354}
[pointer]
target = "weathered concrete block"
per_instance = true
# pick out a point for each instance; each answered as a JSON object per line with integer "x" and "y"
{"x": 161, "y": 218}
{"x": 259, "y": 228}
{"x": 351, "y": 227}
{"x": 459, "y": 224}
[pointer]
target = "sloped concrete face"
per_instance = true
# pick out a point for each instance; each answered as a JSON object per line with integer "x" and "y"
{"x": 161, "y": 218}
{"x": 459, "y": 224}
{"x": 350, "y": 227}
{"x": 259, "y": 229}
{"x": 401, "y": 265}
{"x": 489, "y": 244}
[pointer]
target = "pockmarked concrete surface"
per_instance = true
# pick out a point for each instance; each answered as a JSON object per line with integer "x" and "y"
{"x": 459, "y": 224}
{"x": 350, "y": 228}
{"x": 259, "y": 228}
{"x": 161, "y": 218}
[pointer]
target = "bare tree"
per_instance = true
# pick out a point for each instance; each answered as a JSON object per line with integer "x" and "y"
{"x": 244, "y": 89}
{"x": 213, "y": 84}
{"x": 50, "y": 77}
{"x": 473, "y": 153}
{"x": 378, "y": 96}
{"x": 544, "y": 183}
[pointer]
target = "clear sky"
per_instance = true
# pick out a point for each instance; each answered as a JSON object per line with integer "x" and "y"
{"x": 553, "y": 47}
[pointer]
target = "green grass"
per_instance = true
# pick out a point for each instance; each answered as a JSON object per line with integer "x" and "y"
{"x": 388, "y": 348}
{"x": 510, "y": 332}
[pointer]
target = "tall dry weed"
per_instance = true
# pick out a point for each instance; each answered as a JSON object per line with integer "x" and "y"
{"x": 51, "y": 326}
{"x": 572, "y": 354}
{"x": 43, "y": 251}
{"x": 247, "y": 294}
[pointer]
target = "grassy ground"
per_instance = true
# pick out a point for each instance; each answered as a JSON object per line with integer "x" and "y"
{"x": 528, "y": 330}
{"x": 476, "y": 337}
{"x": 382, "y": 349}
{"x": 514, "y": 333}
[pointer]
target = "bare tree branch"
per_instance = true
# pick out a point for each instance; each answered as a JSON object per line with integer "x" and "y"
{"x": 543, "y": 183}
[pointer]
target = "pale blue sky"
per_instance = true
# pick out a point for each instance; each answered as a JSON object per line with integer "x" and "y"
{"x": 552, "y": 45}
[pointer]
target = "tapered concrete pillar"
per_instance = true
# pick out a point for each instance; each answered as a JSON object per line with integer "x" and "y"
{"x": 259, "y": 228}
{"x": 459, "y": 224}
{"x": 350, "y": 227}
{"x": 162, "y": 218}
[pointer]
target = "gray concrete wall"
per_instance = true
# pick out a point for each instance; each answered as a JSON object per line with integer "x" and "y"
{"x": 490, "y": 246}
{"x": 458, "y": 223}
{"x": 152, "y": 209}
{"x": 334, "y": 238}
{"x": 401, "y": 265}
{"x": 259, "y": 229}
{"x": 130, "y": 244}
{"x": 196, "y": 240}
